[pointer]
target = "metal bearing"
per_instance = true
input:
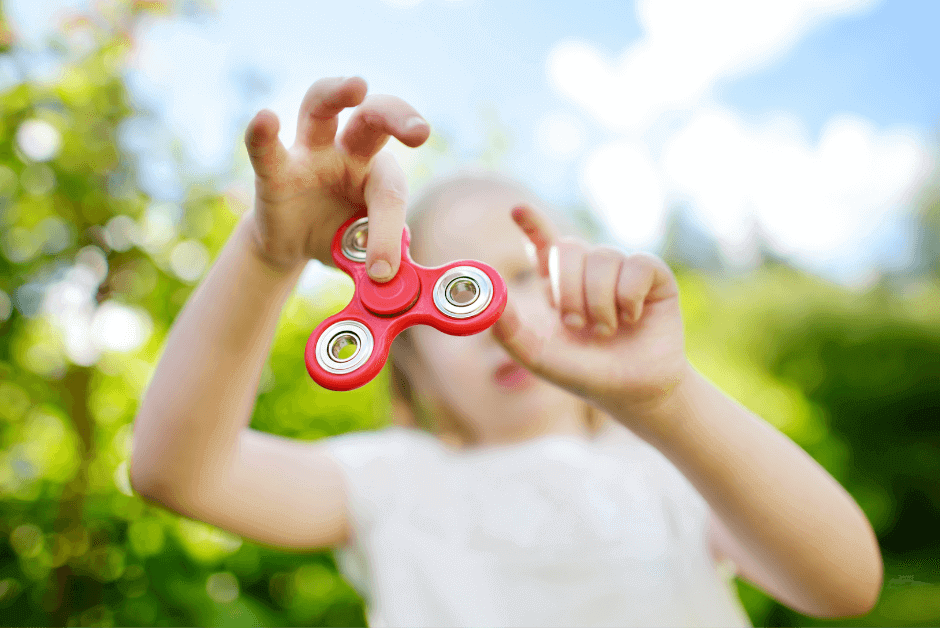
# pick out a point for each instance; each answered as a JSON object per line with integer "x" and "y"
{"x": 333, "y": 347}
{"x": 355, "y": 239}
{"x": 462, "y": 292}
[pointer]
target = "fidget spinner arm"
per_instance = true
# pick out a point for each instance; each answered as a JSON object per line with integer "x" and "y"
{"x": 348, "y": 349}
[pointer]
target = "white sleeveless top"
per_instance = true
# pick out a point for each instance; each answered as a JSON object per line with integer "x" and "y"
{"x": 554, "y": 531}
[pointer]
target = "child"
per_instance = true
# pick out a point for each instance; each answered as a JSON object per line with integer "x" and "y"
{"x": 576, "y": 469}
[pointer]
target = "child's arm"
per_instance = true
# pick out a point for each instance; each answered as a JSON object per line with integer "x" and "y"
{"x": 781, "y": 517}
{"x": 619, "y": 344}
{"x": 193, "y": 451}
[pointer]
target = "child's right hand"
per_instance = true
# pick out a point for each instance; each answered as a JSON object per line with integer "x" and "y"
{"x": 304, "y": 194}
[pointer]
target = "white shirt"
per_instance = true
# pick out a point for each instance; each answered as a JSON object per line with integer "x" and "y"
{"x": 554, "y": 531}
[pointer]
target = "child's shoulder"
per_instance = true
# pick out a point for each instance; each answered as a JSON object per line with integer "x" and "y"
{"x": 393, "y": 441}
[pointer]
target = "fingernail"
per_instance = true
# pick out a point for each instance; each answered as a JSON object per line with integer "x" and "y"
{"x": 574, "y": 321}
{"x": 414, "y": 123}
{"x": 602, "y": 329}
{"x": 380, "y": 270}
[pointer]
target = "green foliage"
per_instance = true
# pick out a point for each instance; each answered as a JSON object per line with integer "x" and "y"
{"x": 852, "y": 378}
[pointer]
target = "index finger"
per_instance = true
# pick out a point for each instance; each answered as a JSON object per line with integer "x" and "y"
{"x": 378, "y": 118}
{"x": 540, "y": 231}
{"x": 316, "y": 122}
{"x": 386, "y": 194}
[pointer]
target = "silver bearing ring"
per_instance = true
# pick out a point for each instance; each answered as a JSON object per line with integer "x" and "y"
{"x": 355, "y": 239}
{"x": 462, "y": 292}
{"x": 344, "y": 347}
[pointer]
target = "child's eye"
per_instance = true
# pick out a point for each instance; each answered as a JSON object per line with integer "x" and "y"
{"x": 522, "y": 277}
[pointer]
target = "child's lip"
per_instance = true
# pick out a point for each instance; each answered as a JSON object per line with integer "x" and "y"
{"x": 511, "y": 374}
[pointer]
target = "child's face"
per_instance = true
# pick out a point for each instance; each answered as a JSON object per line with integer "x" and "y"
{"x": 474, "y": 375}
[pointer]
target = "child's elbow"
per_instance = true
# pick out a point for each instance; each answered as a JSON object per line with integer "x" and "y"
{"x": 142, "y": 482}
{"x": 145, "y": 480}
{"x": 858, "y": 600}
{"x": 871, "y": 592}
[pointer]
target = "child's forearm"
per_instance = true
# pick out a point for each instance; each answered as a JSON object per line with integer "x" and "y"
{"x": 203, "y": 390}
{"x": 784, "y": 509}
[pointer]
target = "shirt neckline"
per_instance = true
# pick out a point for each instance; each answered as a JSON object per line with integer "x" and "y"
{"x": 606, "y": 436}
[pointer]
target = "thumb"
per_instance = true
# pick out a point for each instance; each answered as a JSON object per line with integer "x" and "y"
{"x": 522, "y": 342}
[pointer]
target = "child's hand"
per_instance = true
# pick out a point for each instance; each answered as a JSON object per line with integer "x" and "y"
{"x": 304, "y": 194}
{"x": 617, "y": 339}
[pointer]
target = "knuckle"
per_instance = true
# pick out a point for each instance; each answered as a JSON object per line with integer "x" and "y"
{"x": 383, "y": 245}
{"x": 645, "y": 258}
{"x": 322, "y": 86}
{"x": 254, "y": 140}
{"x": 607, "y": 253}
{"x": 370, "y": 118}
{"x": 600, "y": 303}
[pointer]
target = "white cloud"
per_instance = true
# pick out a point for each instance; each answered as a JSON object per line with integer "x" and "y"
{"x": 829, "y": 204}
{"x": 622, "y": 180}
{"x": 822, "y": 203}
{"x": 816, "y": 201}
{"x": 687, "y": 46}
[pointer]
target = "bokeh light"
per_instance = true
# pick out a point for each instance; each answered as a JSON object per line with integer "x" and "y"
{"x": 39, "y": 140}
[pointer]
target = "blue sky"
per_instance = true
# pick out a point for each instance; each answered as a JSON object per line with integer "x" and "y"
{"x": 815, "y": 118}
{"x": 881, "y": 64}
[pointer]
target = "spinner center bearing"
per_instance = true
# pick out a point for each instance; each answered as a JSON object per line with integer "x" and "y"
{"x": 393, "y": 297}
{"x": 383, "y": 299}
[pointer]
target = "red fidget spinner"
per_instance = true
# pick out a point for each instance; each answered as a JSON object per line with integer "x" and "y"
{"x": 348, "y": 349}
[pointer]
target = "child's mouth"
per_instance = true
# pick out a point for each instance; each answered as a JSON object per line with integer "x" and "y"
{"x": 513, "y": 376}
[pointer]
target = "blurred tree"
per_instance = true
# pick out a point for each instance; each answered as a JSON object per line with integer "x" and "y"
{"x": 927, "y": 235}
{"x": 688, "y": 244}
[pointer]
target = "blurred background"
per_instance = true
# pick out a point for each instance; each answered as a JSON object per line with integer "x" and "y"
{"x": 781, "y": 156}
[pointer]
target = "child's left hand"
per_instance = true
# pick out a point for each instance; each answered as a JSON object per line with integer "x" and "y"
{"x": 617, "y": 340}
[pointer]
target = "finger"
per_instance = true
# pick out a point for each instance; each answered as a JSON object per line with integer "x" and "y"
{"x": 378, "y": 118}
{"x": 265, "y": 150}
{"x": 316, "y": 122}
{"x": 386, "y": 195}
{"x": 571, "y": 254}
{"x": 601, "y": 272}
{"x": 540, "y": 231}
{"x": 522, "y": 342}
{"x": 562, "y": 363}
{"x": 643, "y": 277}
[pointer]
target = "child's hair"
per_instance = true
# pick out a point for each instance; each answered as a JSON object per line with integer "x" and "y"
{"x": 409, "y": 407}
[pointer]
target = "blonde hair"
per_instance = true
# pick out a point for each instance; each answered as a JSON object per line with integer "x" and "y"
{"x": 409, "y": 406}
